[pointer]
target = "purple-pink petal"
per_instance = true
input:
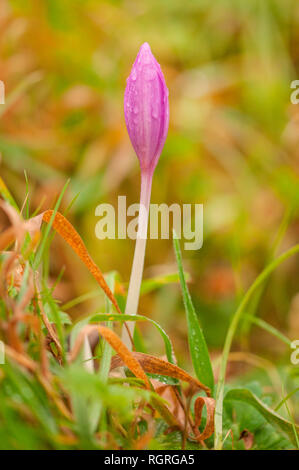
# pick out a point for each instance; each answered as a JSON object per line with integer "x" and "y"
{"x": 146, "y": 108}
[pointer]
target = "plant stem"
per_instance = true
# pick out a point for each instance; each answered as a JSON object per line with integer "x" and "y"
{"x": 229, "y": 338}
{"x": 138, "y": 261}
{"x": 97, "y": 409}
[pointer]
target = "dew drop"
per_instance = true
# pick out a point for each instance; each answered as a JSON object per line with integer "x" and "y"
{"x": 133, "y": 75}
{"x": 146, "y": 58}
{"x": 155, "y": 113}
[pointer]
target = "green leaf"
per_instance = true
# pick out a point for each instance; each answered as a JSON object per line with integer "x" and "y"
{"x": 248, "y": 398}
{"x": 165, "y": 379}
{"x": 64, "y": 318}
{"x": 197, "y": 343}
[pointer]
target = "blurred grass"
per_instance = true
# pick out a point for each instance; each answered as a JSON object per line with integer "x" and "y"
{"x": 232, "y": 144}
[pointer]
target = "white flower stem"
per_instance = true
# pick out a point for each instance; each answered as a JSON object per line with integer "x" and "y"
{"x": 138, "y": 261}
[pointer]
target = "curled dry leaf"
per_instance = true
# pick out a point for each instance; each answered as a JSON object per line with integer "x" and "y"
{"x": 115, "y": 342}
{"x": 154, "y": 365}
{"x": 200, "y": 402}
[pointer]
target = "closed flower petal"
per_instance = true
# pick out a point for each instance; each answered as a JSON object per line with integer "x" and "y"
{"x": 146, "y": 108}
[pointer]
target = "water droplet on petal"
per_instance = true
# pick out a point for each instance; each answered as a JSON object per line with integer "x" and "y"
{"x": 133, "y": 75}
{"x": 155, "y": 114}
{"x": 146, "y": 58}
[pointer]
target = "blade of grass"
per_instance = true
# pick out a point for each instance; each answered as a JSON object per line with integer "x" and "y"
{"x": 5, "y": 193}
{"x": 43, "y": 243}
{"x": 27, "y": 195}
{"x": 47, "y": 298}
{"x": 124, "y": 318}
{"x": 20, "y": 90}
{"x": 99, "y": 410}
{"x": 286, "y": 398}
{"x": 294, "y": 427}
{"x": 197, "y": 344}
{"x": 245, "y": 327}
{"x": 269, "y": 328}
{"x": 81, "y": 298}
{"x": 149, "y": 285}
{"x": 107, "y": 350}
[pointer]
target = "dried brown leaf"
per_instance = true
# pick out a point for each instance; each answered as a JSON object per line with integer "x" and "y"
{"x": 155, "y": 365}
{"x": 200, "y": 402}
{"x": 71, "y": 236}
{"x": 127, "y": 357}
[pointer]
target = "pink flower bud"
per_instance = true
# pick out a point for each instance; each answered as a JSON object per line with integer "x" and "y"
{"x": 146, "y": 108}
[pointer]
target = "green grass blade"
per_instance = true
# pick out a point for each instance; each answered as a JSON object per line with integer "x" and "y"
{"x": 107, "y": 350}
{"x": 231, "y": 332}
{"x": 289, "y": 395}
{"x": 99, "y": 410}
{"x": 5, "y": 193}
{"x": 43, "y": 243}
{"x": 197, "y": 344}
{"x": 122, "y": 317}
{"x": 20, "y": 90}
{"x": 152, "y": 284}
{"x": 269, "y": 328}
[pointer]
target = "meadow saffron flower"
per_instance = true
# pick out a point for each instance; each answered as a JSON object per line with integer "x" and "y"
{"x": 146, "y": 108}
{"x": 147, "y": 115}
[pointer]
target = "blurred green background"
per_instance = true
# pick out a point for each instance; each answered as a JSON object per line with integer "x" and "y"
{"x": 233, "y": 145}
